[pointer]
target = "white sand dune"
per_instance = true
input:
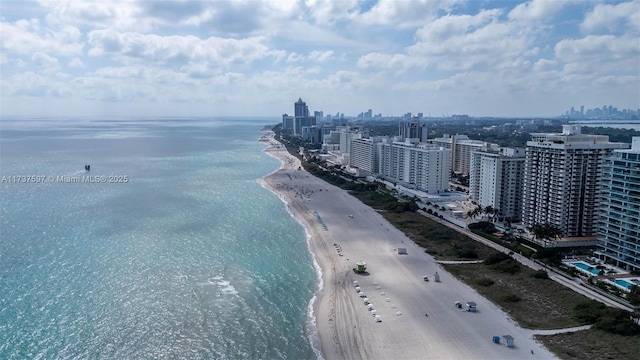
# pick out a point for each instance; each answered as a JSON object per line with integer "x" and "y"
{"x": 394, "y": 285}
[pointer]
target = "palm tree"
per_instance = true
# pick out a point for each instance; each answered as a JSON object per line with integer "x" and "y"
{"x": 475, "y": 212}
{"x": 495, "y": 214}
{"x": 546, "y": 232}
{"x": 488, "y": 211}
{"x": 469, "y": 214}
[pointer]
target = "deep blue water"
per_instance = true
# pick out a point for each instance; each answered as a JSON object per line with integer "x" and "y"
{"x": 189, "y": 258}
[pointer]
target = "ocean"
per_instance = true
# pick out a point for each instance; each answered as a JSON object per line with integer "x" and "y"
{"x": 617, "y": 124}
{"x": 167, "y": 248}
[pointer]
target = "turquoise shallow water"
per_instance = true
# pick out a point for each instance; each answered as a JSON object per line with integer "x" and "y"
{"x": 190, "y": 258}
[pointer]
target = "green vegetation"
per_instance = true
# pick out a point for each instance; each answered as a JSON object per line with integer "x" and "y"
{"x": 634, "y": 295}
{"x": 503, "y": 263}
{"x": 532, "y": 302}
{"x": 484, "y": 281}
{"x": 611, "y": 320}
{"x": 494, "y": 131}
{"x": 540, "y": 274}
{"x": 383, "y": 200}
{"x": 484, "y": 226}
{"x": 496, "y": 258}
{"x": 488, "y": 231}
{"x": 436, "y": 239}
{"x": 547, "y": 232}
{"x": 592, "y": 344}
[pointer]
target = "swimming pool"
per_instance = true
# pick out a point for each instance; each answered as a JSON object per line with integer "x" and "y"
{"x": 621, "y": 282}
{"x": 586, "y": 267}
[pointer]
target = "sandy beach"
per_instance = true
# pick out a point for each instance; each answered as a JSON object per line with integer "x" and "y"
{"x": 419, "y": 319}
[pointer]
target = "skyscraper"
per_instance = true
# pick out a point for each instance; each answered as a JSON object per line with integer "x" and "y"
{"x": 300, "y": 108}
{"x": 619, "y": 227}
{"x": 562, "y": 180}
{"x": 413, "y": 129}
{"x": 301, "y": 117}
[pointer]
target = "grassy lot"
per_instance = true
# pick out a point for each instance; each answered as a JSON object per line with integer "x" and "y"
{"x": 592, "y": 344}
{"x": 534, "y": 303}
{"x": 438, "y": 240}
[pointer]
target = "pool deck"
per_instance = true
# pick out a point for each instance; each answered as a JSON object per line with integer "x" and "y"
{"x": 619, "y": 273}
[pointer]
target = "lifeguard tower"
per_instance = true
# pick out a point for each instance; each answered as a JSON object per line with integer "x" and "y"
{"x": 361, "y": 267}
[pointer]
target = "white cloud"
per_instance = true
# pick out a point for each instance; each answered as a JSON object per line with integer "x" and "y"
{"x": 390, "y": 61}
{"x": 122, "y": 15}
{"x": 37, "y": 85}
{"x": 177, "y": 50}
{"x": 537, "y": 10}
{"x": 295, "y": 57}
{"x": 460, "y": 42}
{"x": 45, "y": 63}
{"x": 454, "y": 26}
{"x": 606, "y": 16}
{"x": 75, "y": 63}
{"x": 321, "y": 56}
{"x": 545, "y": 64}
{"x": 24, "y": 37}
{"x": 599, "y": 49}
{"x": 330, "y": 11}
{"x": 346, "y": 55}
{"x": 314, "y": 56}
{"x": 404, "y": 14}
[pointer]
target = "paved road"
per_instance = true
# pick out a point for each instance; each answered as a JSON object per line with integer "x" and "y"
{"x": 574, "y": 285}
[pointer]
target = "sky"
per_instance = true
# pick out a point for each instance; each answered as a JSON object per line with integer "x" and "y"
{"x": 256, "y": 58}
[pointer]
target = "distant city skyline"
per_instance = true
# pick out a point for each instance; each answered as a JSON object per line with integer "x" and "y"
{"x": 604, "y": 112}
{"x": 252, "y": 58}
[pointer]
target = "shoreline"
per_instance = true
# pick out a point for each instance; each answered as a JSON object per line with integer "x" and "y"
{"x": 341, "y": 230}
{"x": 288, "y": 162}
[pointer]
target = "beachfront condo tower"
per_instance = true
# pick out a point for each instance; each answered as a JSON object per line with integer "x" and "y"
{"x": 418, "y": 166}
{"x": 496, "y": 179}
{"x": 619, "y": 225}
{"x": 300, "y": 120}
{"x": 562, "y": 181}
{"x": 461, "y": 148}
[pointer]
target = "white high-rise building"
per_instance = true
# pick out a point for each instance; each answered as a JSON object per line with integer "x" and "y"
{"x": 420, "y": 166}
{"x": 364, "y": 154}
{"x": 346, "y": 139}
{"x": 562, "y": 180}
{"x": 619, "y": 225}
{"x": 496, "y": 179}
{"x": 461, "y": 148}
